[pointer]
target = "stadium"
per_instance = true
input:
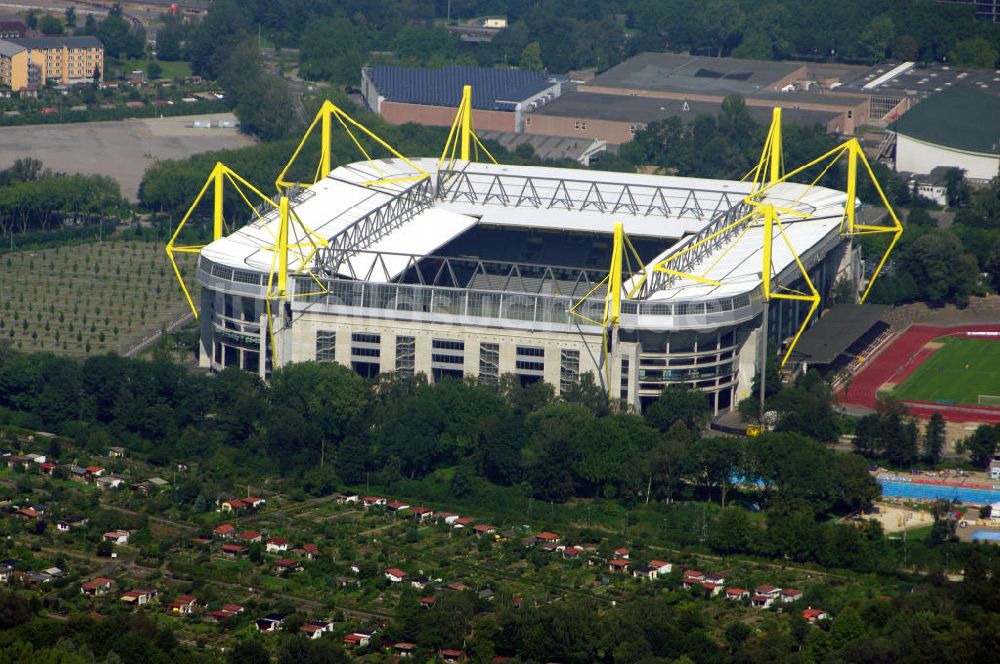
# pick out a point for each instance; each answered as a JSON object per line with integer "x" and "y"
{"x": 454, "y": 267}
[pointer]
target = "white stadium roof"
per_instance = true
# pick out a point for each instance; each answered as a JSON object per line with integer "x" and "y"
{"x": 569, "y": 200}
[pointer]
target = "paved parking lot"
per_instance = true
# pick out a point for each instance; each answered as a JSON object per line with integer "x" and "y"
{"x": 122, "y": 149}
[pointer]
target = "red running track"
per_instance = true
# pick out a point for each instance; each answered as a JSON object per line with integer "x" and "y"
{"x": 901, "y": 358}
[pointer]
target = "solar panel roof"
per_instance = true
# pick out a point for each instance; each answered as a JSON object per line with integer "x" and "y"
{"x": 492, "y": 89}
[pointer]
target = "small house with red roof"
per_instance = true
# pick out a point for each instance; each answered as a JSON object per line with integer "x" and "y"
{"x": 789, "y": 595}
{"x": 183, "y": 605}
{"x": 233, "y": 506}
{"x": 572, "y": 553}
{"x": 95, "y": 471}
{"x": 397, "y": 506}
{"x": 276, "y": 545}
{"x": 117, "y": 536}
{"x": 463, "y": 522}
{"x": 254, "y": 503}
{"x": 251, "y": 537}
{"x": 622, "y": 553}
{"x": 96, "y": 587}
{"x": 484, "y": 529}
{"x": 737, "y": 594}
{"x": 309, "y": 551}
{"x": 759, "y": 601}
{"x": 547, "y": 537}
{"x": 373, "y": 501}
{"x": 356, "y": 641}
{"x": 662, "y": 567}
{"x": 770, "y": 591}
{"x": 287, "y": 565}
{"x": 404, "y": 649}
{"x": 452, "y": 656}
{"x": 233, "y": 550}
{"x": 427, "y": 602}
{"x": 458, "y": 586}
{"x": 224, "y": 531}
{"x": 812, "y": 615}
{"x": 618, "y": 565}
{"x": 422, "y": 513}
{"x": 395, "y": 575}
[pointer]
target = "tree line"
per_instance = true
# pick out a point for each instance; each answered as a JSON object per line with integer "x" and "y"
{"x": 34, "y": 198}
{"x": 336, "y": 38}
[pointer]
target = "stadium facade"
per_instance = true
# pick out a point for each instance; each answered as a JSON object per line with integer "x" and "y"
{"x": 453, "y": 267}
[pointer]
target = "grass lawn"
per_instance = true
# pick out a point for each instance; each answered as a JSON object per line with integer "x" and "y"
{"x": 170, "y": 69}
{"x": 958, "y": 372}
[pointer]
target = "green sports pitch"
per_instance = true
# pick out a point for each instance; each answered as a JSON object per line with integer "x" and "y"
{"x": 958, "y": 372}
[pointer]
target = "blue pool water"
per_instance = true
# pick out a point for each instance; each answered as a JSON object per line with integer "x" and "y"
{"x": 985, "y": 536}
{"x": 899, "y": 489}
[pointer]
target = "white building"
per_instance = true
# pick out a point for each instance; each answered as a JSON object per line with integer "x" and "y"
{"x": 958, "y": 127}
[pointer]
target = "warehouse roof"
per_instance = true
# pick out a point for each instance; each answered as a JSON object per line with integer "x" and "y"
{"x": 674, "y": 72}
{"x": 837, "y": 330}
{"x": 959, "y": 117}
{"x": 592, "y": 105}
{"x": 87, "y": 41}
{"x": 492, "y": 89}
{"x": 8, "y": 48}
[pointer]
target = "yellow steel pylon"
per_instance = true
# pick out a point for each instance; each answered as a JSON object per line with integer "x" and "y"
{"x": 325, "y": 117}
{"x": 623, "y": 252}
{"x": 217, "y": 178}
{"x": 462, "y": 137}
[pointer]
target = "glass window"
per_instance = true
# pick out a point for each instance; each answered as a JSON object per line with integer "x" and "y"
{"x": 326, "y": 345}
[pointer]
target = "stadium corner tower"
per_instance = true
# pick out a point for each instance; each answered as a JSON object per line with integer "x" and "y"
{"x": 454, "y": 267}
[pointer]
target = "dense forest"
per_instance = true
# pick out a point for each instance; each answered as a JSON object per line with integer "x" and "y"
{"x": 337, "y": 37}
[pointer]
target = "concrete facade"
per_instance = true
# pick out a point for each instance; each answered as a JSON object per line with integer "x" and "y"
{"x": 34, "y": 62}
{"x": 440, "y": 116}
{"x": 916, "y": 156}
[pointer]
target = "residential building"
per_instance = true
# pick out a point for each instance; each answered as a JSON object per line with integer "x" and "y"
{"x": 27, "y": 63}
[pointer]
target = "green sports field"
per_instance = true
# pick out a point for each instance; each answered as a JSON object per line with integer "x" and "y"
{"x": 958, "y": 372}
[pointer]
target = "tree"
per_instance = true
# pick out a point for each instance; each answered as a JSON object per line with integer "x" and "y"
{"x": 905, "y": 47}
{"x": 721, "y": 458}
{"x": 975, "y": 52}
{"x": 215, "y": 39}
{"x": 939, "y": 265}
{"x": 154, "y": 70}
{"x": 934, "y": 439}
{"x": 31, "y": 20}
{"x": 723, "y": 20}
{"x": 70, "y": 14}
{"x": 877, "y": 36}
{"x": 981, "y": 445}
{"x": 50, "y": 25}
{"x": 679, "y": 403}
{"x": 958, "y": 193}
{"x": 531, "y": 57}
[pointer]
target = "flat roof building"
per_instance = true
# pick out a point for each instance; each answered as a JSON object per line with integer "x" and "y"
{"x": 500, "y": 97}
{"x": 616, "y": 118}
{"x": 958, "y": 127}
{"x": 29, "y": 63}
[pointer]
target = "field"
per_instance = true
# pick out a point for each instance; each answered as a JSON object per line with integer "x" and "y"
{"x": 90, "y": 298}
{"x": 121, "y": 149}
{"x": 957, "y": 372}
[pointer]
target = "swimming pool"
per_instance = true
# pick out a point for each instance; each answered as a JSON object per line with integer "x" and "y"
{"x": 892, "y": 488}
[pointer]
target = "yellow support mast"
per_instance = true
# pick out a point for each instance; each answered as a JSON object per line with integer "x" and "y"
{"x": 327, "y": 113}
{"x": 217, "y": 179}
{"x": 462, "y": 137}
{"x": 623, "y": 253}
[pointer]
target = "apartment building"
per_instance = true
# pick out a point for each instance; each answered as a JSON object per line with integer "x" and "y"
{"x": 30, "y": 63}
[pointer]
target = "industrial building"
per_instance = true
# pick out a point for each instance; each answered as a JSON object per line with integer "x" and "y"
{"x": 30, "y": 63}
{"x": 958, "y": 127}
{"x": 501, "y": 97}
{"x": 453, "y": 267}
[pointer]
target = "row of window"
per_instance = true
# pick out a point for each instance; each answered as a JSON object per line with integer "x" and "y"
{"x": 450, "y": 356}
